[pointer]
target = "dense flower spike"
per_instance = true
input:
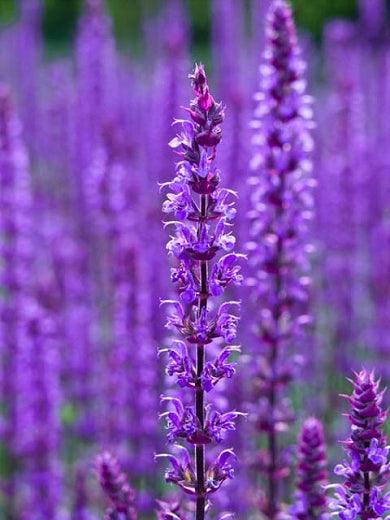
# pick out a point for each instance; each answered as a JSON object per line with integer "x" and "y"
{"x": 115, "y": 485}
{"x": 341, "y": 178}
{"x": 366, "y": 473}
{"x": 281, "y": 209}
{"x": 29, "y": 362}
{"x": 38, "y": 428}
{"x": 28, "y": 48}
{"x": 310, "y": 500}
{"x": 202, "y": 213}
{"x": 96, "y": 79}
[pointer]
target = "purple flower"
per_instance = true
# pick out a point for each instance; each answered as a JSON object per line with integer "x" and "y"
{"x": 182, "y": 471}
{"x": 281, "y": 211}
{"x": 225, "y": 272}
{"x": 201, "y": 327}
{"x": 182, "y": 365}
{"x": 310, "y": 500}
{"x": 115, "y": 485}
{"x": 202, "y": 230}
{"x": 219, "y": 369}
{"x": 367, "y": 471}
{"x": 182, "y": 422}
{"x": 220, "y": 470}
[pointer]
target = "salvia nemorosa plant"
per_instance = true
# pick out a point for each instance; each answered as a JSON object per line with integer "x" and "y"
{"x": 366, "y": 471}
{"x": 309, "y": 501}
{"x": 96, "y": 78}
{"x": 38, "y": 400}
{"x": 202, "y": 213}
{"x": 15, "y": 255}
{"x": 281, "y": 208}
{"x": 77, "y": 349}
{"x": 339, "y": 178}
{"x": 115, "y": 485}
{"x": 380, "y": 280}
{"x": 30, "y": 364}
{"x": 74, "y": 281}
{"x": 28, "y": 49}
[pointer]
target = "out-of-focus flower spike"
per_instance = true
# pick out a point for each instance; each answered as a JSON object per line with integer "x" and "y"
{"x": 309, "y": 502}
{"x": 281, "y": 210}
{"x": 115, "y": 485}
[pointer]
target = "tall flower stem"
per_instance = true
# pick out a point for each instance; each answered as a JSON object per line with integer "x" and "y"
{"x": 200, "y": 361}
{"x": 272, "y": 434}
{"x": 202, "y": 214}
{"x": 281, "y": 211}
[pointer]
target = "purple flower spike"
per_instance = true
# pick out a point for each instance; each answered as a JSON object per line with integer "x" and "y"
{"x": 310, "y": 500}
{"x": 281, "y": 211}
{"x": 365, "y": 474}
{"x": 115, "y": 485}
{"x": 202, "y": 213}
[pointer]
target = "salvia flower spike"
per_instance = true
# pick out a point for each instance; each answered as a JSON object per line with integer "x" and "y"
{"x": 309, "y": 500}
{"x": 281, "y": 209}
{"x": 201, "y": 219}
{"x": 367, "y": 470}
{"x": 115, "y": 485}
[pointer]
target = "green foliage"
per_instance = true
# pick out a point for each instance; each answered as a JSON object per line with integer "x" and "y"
{"x": 7, "y": 10}
{"x": 68, "y": 414}
{"x": 312, "y": 14}
{"x": 200, "y": 11}
{"x": 6, "y": 461}
{"x": 59, "y": 20}
{"x": 60, "y": 17}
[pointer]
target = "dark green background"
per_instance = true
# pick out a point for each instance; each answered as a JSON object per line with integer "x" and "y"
{"x": 61, "y": 15}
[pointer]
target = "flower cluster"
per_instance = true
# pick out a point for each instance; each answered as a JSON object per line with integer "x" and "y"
{"x": 183, "y": 474}
{"x": 183, "y": 422}
{"x": 181, "y": 364}
{"x": 115, "y": 485}
{"x": 281, "y": 205}
{"x": 202, "y": 228}
{"x": 367, "y": 471}
{"x": 310, "y": 501}
{"x": 201, "y": 328}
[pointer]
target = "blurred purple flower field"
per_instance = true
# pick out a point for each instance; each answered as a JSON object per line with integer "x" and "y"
{"x": 195, "y": 268}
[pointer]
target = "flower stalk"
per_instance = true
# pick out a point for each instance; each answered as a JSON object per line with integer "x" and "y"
{"x": 115, "y": 485}
{"x": 203, "y": 213}
{"x": 309, "y": 500}
{"x": 367, "y": 470}
{"x": 281, "y": 209}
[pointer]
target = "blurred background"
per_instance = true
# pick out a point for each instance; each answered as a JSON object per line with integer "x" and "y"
{"x": 60, "y": 17}
{"x": 89, "y": 90}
